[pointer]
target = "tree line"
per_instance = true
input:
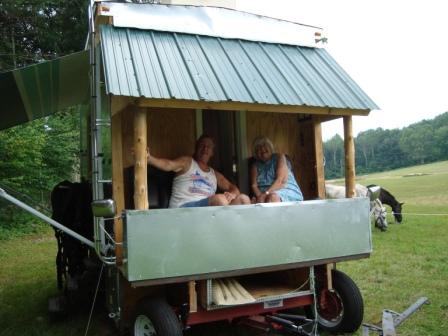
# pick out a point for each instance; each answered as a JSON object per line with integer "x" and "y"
{"x": 382, "y": 149}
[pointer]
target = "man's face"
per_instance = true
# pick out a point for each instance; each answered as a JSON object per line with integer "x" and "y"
{"x": 204, "y": 150}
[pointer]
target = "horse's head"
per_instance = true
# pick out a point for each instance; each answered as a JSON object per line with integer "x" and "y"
{"x": 396, "y": 211}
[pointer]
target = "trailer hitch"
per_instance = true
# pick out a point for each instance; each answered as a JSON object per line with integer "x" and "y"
{"x": 293, "y": 324}
{"x": 392, "y": 320}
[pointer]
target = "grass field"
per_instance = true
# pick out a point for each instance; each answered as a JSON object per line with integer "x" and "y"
{"x": 409, "y": 261}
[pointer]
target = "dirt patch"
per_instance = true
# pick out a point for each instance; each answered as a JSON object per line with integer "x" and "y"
{"x": 416, "y": 174}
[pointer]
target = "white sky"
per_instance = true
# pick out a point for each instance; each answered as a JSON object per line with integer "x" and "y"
{"x": 396, "y": 50}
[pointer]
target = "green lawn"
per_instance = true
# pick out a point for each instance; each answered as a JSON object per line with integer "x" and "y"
{"x": 409, "y": 261}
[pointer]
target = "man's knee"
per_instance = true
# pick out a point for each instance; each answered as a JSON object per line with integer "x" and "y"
{"x": 241, "y": 199}
{"x": 217, "y": 200}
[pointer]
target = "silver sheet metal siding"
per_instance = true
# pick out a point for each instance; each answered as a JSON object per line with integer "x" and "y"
{"x": 164, "y": 65}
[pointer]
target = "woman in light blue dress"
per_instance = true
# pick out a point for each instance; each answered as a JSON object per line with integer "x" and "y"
{"x": 271, "y": 176}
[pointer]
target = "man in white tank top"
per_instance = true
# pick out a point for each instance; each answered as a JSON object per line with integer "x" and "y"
{"x": 196, "y": 182}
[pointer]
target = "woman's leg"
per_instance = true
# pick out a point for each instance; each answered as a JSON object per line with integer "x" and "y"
{"x": 273, "y": 197}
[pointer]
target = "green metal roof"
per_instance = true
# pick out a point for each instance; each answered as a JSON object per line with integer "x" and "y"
{"x": 42, "y": 89}
{"x": 169, "y": 65}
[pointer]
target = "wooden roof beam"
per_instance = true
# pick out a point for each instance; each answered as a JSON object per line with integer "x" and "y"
{"x": 238, "y": 106}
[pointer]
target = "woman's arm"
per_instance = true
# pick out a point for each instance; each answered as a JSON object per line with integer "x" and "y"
{"x": 281, "y": 174}
{"x": 259, "y": 195}
{"x": 253, "y": 181}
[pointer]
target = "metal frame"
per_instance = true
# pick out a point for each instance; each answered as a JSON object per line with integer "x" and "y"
{"x": 392, "y": 319}
{"x": 103, "y": 241}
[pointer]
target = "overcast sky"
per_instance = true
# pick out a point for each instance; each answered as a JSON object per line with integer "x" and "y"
{"x": 396, "y": 50}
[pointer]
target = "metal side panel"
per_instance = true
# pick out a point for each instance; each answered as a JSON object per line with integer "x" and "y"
{"x": 169, "y": 243}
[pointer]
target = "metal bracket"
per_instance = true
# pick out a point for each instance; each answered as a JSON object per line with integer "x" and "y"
{"x": 391, "y": 320}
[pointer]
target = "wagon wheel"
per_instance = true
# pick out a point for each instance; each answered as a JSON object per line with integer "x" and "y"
{"x": 155, "y": 317}
{"x": 341, "y": 309}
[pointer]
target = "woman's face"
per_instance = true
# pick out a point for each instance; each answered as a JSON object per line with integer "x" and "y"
{"x": 263, "y": 152}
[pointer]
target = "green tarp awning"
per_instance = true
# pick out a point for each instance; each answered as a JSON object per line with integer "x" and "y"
{"x": 39, "y": 90}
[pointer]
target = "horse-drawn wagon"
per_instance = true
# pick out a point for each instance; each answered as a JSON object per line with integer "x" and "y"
{"x": 162, "y": 75}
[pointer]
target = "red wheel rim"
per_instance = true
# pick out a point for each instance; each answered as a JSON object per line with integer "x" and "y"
{"x": 329, "y": 307}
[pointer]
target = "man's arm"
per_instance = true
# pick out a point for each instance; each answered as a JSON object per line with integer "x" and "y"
{"x": 231, "y": 190}
{"x": 179, "y": 165}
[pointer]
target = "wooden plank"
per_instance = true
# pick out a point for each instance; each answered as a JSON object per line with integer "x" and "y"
{"x": 349, "y": 146}
{"x": 117, "y": 183}
{"x": 281, "y": 129}
{"x": 239, "y": 106}
{"x": 202, "y": 290}
{"x": 261, "y": 291}
{"x": 319, "y": 159}
{"x": 193, "y": 296}
{"x": 140, "y": 163}
{"x": 307, "y": 159}
{"x": 171, "y": 133}
{"x": 329, "y": 268}
{"x": 242, "y": 155}
{"x": 198, "y": 123}
{"x": 324, "y": 118}
{"x": 119, "y": 103}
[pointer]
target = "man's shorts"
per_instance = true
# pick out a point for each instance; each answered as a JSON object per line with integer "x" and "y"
{"x": 201, "y": 203}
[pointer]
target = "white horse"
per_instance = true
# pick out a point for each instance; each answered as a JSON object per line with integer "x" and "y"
{"x": 376, "y": 207}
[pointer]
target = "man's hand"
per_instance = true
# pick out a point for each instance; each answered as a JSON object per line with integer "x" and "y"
{"x": 229, "y": 196}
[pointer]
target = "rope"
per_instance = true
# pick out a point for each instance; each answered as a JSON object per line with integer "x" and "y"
{"x": 94, "y": 300}
{"x": 421, "y": 214}
{"x": 24, "y": 197}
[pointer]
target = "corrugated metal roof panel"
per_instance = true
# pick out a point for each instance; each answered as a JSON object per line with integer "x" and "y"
{"x": 166, "y": 65}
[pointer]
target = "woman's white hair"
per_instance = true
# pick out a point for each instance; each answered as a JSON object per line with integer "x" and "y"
{"x": 260, "y": 141}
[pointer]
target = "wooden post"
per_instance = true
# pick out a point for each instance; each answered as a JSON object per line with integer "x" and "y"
{"x": 349, "y": 146}
{"x": 193, "y": 296}
{"x": 319, "y": 156}
{"x": 117, "y": 183}
{"x": 140, "y": 163}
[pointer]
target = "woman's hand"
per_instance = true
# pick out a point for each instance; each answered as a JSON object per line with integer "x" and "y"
{"x": 261, "y": 198}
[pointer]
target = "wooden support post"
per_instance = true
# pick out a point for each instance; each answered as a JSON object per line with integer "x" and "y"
{"x": 349, "y": 146}
{"x": 140, "y": 164}
{"x": 329, "y": 277}
{"x": 193, "y": 296}
{"x": 319, "y": 156}
{"x": 117, "y": 183}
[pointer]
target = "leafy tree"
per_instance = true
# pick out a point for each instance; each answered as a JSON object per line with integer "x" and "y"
{"x": 416, "y": 141}
{"x": 35, "y": 156}
{"x": 379, "y": 149}
{"x": 32, "y": 31}
{"x": 334, "y": 156}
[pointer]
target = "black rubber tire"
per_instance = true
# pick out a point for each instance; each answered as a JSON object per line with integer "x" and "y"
{"x": 161, "y": 316}
{"x": 350, "y": 298}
